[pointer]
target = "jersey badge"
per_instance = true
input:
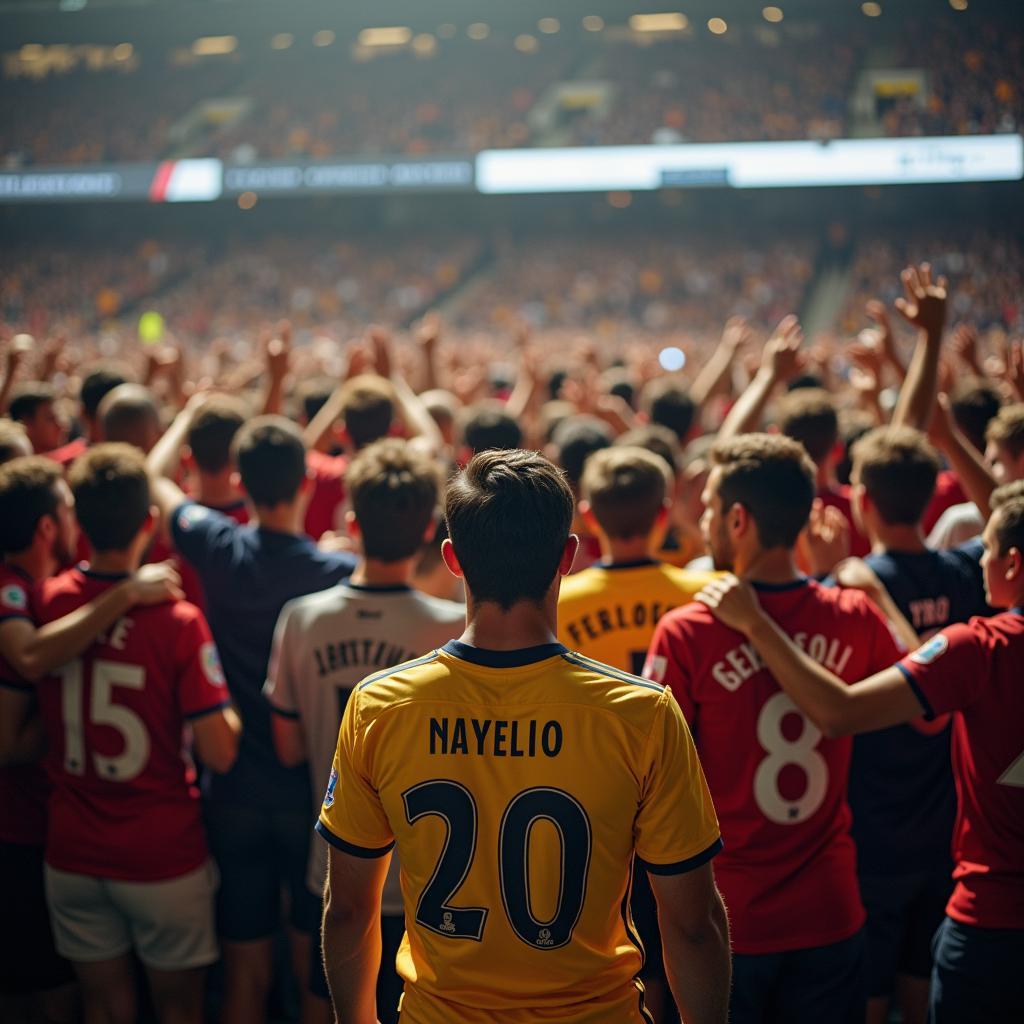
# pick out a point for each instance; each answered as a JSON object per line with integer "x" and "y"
{"x": 210, "y": 660}
{"x": 931, "y": 651}
{"x": 14, "y": 597}
{"x": 190, "y": 515}
{"x": 332, "y": 782}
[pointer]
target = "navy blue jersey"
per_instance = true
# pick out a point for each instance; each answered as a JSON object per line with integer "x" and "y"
{"x": 248, "y": 574}
{"x": 901, "y": 779}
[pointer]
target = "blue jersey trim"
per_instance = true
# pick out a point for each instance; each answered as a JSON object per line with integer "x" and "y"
{"x": 929, "y": 714}
{"x": 364, "y": 852}
{"x": 581, "y": 661}
{"x": 637, "y": 563}
{"x": 369, "y": 588}
{"x": 682, "y": 866}
{"x": 203, "y": 712}
{"x": 516, "y": 658}
{"x": 95, "y": 574}
{"x": 5, "y": 616}
{"x": 396, "y": 669}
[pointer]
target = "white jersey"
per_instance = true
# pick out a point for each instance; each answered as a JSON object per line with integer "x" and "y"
{"x": 957, "y": 525}
{"x": 327, "y": 643}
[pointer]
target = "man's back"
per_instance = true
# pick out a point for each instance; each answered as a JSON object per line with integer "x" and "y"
{"x": 778, "y": 785}
{"x": 518, "y": 785}
{"x": 123, "y": 805}
{"x": 609, "y": 612}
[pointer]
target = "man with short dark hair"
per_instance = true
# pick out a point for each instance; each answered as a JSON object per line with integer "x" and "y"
{"x": 326, "y": 643}
{"x": 488, "y": 427}
{"x": 258, "y": 812}
{"x": 972, "y": 671}
{"x": 127, "y": 866}
{"x": 669, "y": 404}
{"x": 96, "y": 385}
{"x": 34, "y": 407}
{"x": 128, "y": 414}
{"x": 779, "y": 785}
{"x": 518, "y": 781}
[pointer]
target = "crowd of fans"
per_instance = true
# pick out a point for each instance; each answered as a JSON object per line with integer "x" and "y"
{"x": 790, "y": 81}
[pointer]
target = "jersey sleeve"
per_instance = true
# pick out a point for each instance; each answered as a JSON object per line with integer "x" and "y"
{"x": 949, "y": 671}
{"x": 676, "y": 827}
{"x": 279, "y": 689}
{"x": 203, "y": 535}
{"x": 352, "y": 818}
{"x": 15, "y": 600}
{"x": 668, "y": 663}
{"x": 202, "y": 688}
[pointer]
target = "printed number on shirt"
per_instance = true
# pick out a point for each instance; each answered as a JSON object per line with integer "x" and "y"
{"x": 1014, "y": 775}
{"x": 454, "y": 804}
{"x": 103, "y": 710}
{"x": 783, "y": 752}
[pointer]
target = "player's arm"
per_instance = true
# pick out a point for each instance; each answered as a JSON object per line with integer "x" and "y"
{"x": 695, "y": 940}
{"x": 924, "y": 306}
{"x": 836, "y": 709}
{"x": 289, "y": 739}
{"x": 22, "y": 740}
{"x": 33, "y": 652}
{"x": 351, "y": 933}
{"x": 215, "y": 737}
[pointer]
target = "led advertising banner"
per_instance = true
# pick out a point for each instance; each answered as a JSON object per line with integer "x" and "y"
{"x": 341, "y": 176}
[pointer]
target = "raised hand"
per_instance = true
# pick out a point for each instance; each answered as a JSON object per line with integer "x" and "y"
{"x": 1014, "y": 372}
{"x": 965, "y": 345}
{"x": 825, "y": 541}
{"x": 876, "y": 311}
{"x": 736, "y": 334}
{"x": 924, "y": 301}
{"x": 278, "y": 352}
{"x": 782, "y": 357}
{"x": 18, "y": 350}
{"x": 428, "y": 333}
{"x": 380, "y": 342}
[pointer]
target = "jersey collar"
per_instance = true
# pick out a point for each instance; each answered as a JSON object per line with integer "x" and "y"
{"x": 369, "y": 588}
{"x": 777, "y": 588}
{"x": 18, "y": 571}
{"x": 503, "y": 659}
{"x": 637, "y": 563}
{"x": 93, "y": 574}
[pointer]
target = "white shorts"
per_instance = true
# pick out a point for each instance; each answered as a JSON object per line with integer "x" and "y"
{"x": 169, "y": 924}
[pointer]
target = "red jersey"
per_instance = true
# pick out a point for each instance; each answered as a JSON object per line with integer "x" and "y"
{"x": 779, "y": 786}
{"x": 328, "y": 492}
{"x": 976, "y": 670}
{"x": 67, "y": 453}
{"x": 124, "y": 804}
{"x": 841, "y": 499}
{"x": 24, "y": 788}
{"x": 948, "y": 493}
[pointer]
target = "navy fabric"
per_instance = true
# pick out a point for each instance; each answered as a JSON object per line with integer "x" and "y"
{"x": 248, "y": 574}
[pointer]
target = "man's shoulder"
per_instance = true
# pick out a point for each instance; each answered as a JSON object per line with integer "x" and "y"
{"x": 438, "y": 608}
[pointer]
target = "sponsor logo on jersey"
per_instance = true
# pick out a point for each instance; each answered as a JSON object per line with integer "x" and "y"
{"x": 931, "y": 651}
{"x": 447, "y": 924}
{"x": 544, "y": 937}
{"x": 14, "y": 597}
{"x": 190, "y": 515}
{"x": 655, "y": 668}
{"x": 332, "y": 782}
{"x": 210, "y": 660}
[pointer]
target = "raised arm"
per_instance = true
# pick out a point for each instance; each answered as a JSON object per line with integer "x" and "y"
{"x": 836, "y": 709}
{"x": 780, "y": 362}
{"x": 924, "y": 306}
{"x": 418, "y": 421}
{"x": 971, "y": 468}
{"x": 735, "y": 335}
{"x": 277, "y": 355}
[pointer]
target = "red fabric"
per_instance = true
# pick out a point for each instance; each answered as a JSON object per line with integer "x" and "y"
{"x": 24, "y": 789}
{"x": 859, "y": 544}
{"x": 328, "y": 492}
{"x": 67, "y": 453}
{"x": 948, "y": 493}
{"x": 124, "y": 805}
{"x": 976, "y": 670}
{"x": 779, "y": 787}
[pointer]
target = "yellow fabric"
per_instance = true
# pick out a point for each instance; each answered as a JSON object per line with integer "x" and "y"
{"x": 610, "y": 614}
{"x": 564, "y": 740}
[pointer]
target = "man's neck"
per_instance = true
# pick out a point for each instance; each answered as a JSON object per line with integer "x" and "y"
{"x": 825, "y": 478}
{"x": 371, "y": 572}
{"x": 775, "y": 565}
{"x": 37, "y": 565}
{"x": 617, "y": 552}
{"x": 279, "y": 518}
{"x": 524, "y": 625}
{"x": 215, "y": 490}
{"x": 886, "y": 537}
{"x": 115, "y": 562}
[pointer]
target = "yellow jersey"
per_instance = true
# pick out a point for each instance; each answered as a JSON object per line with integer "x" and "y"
{"x": 518, "y": 786}
{"x": 609, "y": 612}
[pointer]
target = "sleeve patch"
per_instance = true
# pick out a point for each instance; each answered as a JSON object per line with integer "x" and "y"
{"x": 655, "y": 668}
{"x": 14, "y": 597}
{"x": 190, "y": 515}
{"x": 210, "y": 661}
{"x": 931, "y": 651}
{"x": 332, "y": 784}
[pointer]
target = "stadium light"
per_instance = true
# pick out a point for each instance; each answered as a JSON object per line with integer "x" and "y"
{"x": 772, "y": 14}
{"x": 32, "y": 51}
{"x": 282, "y": 41}
{"x": 325, "y": 37}
{"x": 123, "y": 51}
{"x": 424, "y": 44}
{"x": 718, "y": 26}
{"x": 526, "y": 44}
{"x": 674, "y": 21}
{"x": 210, "y": 46}
{"x": 549, "y": 26}
{"x": 958, "y": 5}
{"x": 593, "y": 23}
{"x": 478, "y": 30}
{"x": 871, "y": 9}
{"x": 397, "y": 35}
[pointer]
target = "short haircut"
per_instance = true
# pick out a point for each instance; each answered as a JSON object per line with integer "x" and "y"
{"x": 626, "y": 488}
{"x": 575, "y": 439}
{"x": 617, "y": 381}
{"x": 1009, "y": 526}
{"x": 28, "y": 399}
{"x": 14, "y": 442}
{"x": 1007, "y": 492}
{"x": 96, "y": 386}
{"x": 898, "y": 469}
{"x": 441, "y": 404}
{"x": 974, "y": 403}
{"x": 1007, "y": 428}
{"x": 367, "y": 409}
{"x": 28, "y": 491}
{"x": 213, "y": 430}
{"x": 271, "y": 459}
{"x": 111, "y": 489}
{"x": 508, "y": 516}
{"x": 488, "y": 426}
{"x": 313, "y": 396}
{"x": 657, "y": 439}
{"x": 809, "y": 416}
{"x": 128, "y": 414}
{"x": 393, "y": 490}
{"x": 772, "y": 477}
{"x": 668, "y": 403}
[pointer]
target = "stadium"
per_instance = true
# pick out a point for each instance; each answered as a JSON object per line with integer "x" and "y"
{"x": 583, "y": 439}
